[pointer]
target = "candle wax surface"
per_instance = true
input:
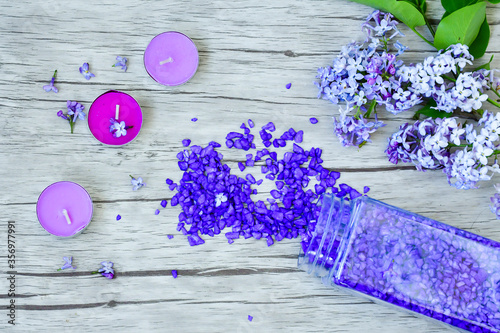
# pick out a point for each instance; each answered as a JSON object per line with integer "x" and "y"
{"x": 59, "y": 196}
{"x": 171, "y": 58}
{"x": 104, "y": 108}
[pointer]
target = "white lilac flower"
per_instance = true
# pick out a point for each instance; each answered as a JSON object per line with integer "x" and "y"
{"x": 481, "y": 153}
{"x": 219, "y": 199}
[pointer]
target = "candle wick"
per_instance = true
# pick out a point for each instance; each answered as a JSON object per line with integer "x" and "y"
{"x": 117, "y": 112}
{"x": 169, "y": 59}
{"x": 65, "y": 213}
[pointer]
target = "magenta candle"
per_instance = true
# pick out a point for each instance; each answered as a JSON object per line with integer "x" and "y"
{"x": 171, "y": 58}
{"x": 64, "y": 209}
{"x": 117, "y": 106}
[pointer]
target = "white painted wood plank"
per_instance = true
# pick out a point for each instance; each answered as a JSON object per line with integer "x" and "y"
{"x": 249, "y": 51}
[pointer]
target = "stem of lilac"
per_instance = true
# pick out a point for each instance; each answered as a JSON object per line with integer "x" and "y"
{"x": 495, "y": 91}
{"x": 419, "y": 35}
{"x": 429, "y": 26}
{"x": 449, "y": 78}
{"x": 493, "y": 102}
{"x": 71, "y": 125}
{"x": 373, "y": 104}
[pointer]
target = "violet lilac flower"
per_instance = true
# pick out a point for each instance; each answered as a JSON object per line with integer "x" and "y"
{"x": 50, "y": 86}
{"x": 84, "y": 70}
{"x": 122, "y": 62}
{"x": 106, "y": 270}
{"x": 75, "y": 112}
{"x": 67, "y": 263}
{"x": 354, "y": 132}
{"x": 137, "y": 183}
{"x": 118, "y": 128}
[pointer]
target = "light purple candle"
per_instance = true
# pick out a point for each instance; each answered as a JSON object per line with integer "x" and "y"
{"x": 119, "y": 107}
{"x": 171, "y": 58}
{"x": 64, "y": 209}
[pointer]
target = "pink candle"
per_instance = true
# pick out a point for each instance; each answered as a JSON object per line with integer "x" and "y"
{"x": 64, "y": 209}
{"x": 171, "y": 58}
{"x": 119, "y": 107}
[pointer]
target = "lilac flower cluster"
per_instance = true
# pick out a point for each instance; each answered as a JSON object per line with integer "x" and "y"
{"x": 75, "y": 112}
{"x": 367, "y": 75}
{"x": 364, "y": 75}
{"x": 353, "y": 131}
{"x": 213, "y": 199}
{"x": 434, "y": 79}
{"x": 409, "y": 261}
{"x": 462, "y": 151}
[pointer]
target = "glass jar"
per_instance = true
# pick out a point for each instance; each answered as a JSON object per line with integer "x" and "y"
{"x": 392, "y": 255}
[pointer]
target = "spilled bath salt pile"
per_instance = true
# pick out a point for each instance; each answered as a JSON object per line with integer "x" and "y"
{"x": 214, "y": 201}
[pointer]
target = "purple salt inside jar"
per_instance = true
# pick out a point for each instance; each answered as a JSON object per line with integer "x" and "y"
{"x": 407, "y": 260}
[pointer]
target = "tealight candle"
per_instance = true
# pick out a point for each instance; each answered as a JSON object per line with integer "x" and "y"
{"x": 171, "y": 58}
{"x": 64, "y": 209}
{"x": 107, "y": 113}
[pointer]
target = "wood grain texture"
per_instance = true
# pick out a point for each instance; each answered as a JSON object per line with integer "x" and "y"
{"x": 249, "y": 50}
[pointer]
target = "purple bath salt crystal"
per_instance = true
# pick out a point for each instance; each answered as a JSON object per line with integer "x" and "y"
{"x": 288, "y": 85}
{"x": 241, "y": 166}
{"x": 250, "y": 318}
{"x": 157, "y": 212}
{"x": 118, "y": 217}
{"x": 174, "y": 274}
{"x": 298, "y": 137}
{"x": 170, "y": 236}
{"x": 250, "y": 123}
{"x": 269, "y": 127}
{"x": 313, "y": 120}
{"x": 194, "y": 120}
{"x": 407, "y": 260}
{"x": 163, "y": 203}
{"x": 186, "y": 142}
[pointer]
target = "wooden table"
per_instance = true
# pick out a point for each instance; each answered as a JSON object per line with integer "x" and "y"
{"x": 249, "y": 50}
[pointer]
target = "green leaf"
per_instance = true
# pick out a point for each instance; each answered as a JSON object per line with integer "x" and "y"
{"x": 451, "y": 5}
{"x": 494, "y": 1}
{"x": 461, "y": 26}
{"x": 404, "y": 11}
{"x": 419, "y": 4}
{"x": 428, "y": 111}
{"x": 486, "y": 65}
{"x": 478, "y": 47}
